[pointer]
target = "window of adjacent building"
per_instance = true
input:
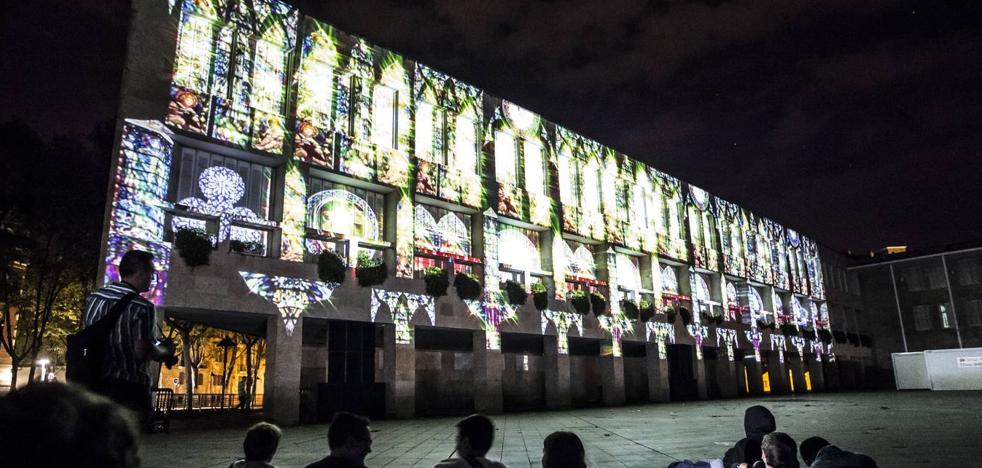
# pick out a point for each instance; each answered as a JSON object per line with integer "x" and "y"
{"x": 969, "y": 272}
{"x": 505, "y": 158}
{"x": 973, "y": 311}
{"x": 935, "y": 277}
{"x": 345, "y": 210}
{"x": 248, "y": 187}
{"x": 922, "y": 317}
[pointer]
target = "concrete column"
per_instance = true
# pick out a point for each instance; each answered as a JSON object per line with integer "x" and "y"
{"x": 831, "y": 374}
{"x": 797, "y": 366}
{"x": 612, "y": 373}
{"x": 558, "y": 394}
{"x": 281, "y": 402}
{"x": 754, "y": 376}
{"x": 815, "y": 372}
{"x": 778, "y": 373}
{"x": 399, "y": 375}
{"x": 488, "y": 366}
{"x": 700, "y": 373}
{"x": 726, "y": 375}
{"x": 658, "y": 383}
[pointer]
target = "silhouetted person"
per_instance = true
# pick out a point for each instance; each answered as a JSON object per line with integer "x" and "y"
{"x": 563, "y": 450}
{"x": 810, "y": 447}
{"x": 350, "y": 442}
{"x": 259, "y": 446}
{"x": 135, "y": 340}
{"x": 757, "y": 421}
{"x": 779, "y": 450}
{"x": 56, "y": 425}
{"x": 475, "y": 434}
{"x": 831, "y": 456}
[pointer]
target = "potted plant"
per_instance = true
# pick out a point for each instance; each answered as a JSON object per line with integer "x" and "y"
{"x": 839, "y": 335}
{"x": 599, "y": 304}
{"x": 194, "y": 246}
{"x": 540, "y": 297}
{"x": 369, "y": 271}
{"x": 437, "y": 280}
{"x": 630, "y": 309}
{"x": 670, "y": 315}
{"x": 686, "y": 316}
{"x": 331, "y": 267}
{"x": 647, "y": 310}
{"x": 718, "y": 319}
{"x": 825, "y": 336}
{"x": 580, "y": 301}
{"x": 789, "y": 330}
{"x": 467, "y": 286}
{"x": 866, "y": 341}
{"x": 515, "y": 292}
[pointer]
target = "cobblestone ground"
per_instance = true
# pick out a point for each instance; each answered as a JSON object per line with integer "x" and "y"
{"x": 896, "y": 428}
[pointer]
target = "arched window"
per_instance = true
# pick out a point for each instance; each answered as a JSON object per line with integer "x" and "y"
{"x": 628, "y": 274}
{"x": 341, "y": 212}
{"x": 580, "y": 262}
{"x": 669, "y": 282}
{"x": 702, "y": 289}
{"x": 754, "y": 301}
{"x": 518, "y": 251}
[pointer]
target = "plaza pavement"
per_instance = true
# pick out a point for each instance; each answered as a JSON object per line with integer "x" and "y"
{"x": 898, "y": 429}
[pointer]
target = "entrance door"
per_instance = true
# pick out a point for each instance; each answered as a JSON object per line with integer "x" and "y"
{"x": 681, "y": 373}
{"x": 351, "y": 372}
{"x": 711, "y": 357}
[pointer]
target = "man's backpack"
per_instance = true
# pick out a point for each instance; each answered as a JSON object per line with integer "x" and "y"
{"x": 87, "y": 350}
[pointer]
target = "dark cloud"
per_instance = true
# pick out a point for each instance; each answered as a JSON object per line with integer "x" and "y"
{"x": 857, "y": 122}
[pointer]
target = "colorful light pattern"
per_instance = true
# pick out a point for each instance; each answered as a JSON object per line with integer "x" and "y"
{"x": 402, "y": 306}
{"x": 729, "y": 337}
{"x": 223, "y": 188}
{"x": 136, "y": 219}
{"x": 562, "y": 321}
{"x": 291, "y": 296}
{"x": 778, "y": 343}
{"x": 755, "y": 337}
{"x": 663, "y": 332}
{"x": 699, "y": 334}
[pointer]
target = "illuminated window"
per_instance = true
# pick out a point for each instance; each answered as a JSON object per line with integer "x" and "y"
{"x": 194, "y": 55}
{"x": 566, "y": 183}
{"x": 535, "y": 181}
{"x": 268, "y": 77}
{"x": 465, "y": 143}
{"x": 591, "y": 186}
{"x": 425, "y": 133}
{"x": 669, "y": 282}
{"x": 384, "y": 108}
{"x": 442, "y": 230}
{"x": 579, "y": 260}
{"x": 342, "y": 210}
{"x": 255, "y": 179}
{"x": 628, "y": 273}
{"x": 519, "y": 249}
{"x": 947, "y": 321}
{"x": 505, "y": 158}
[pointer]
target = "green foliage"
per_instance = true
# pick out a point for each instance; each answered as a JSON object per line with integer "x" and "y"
{"x": 331, "y": 267}
{"x": 467, "y": 286}
{"x": 599, "y": 304}
{"x": 246, "y": 247}
{"x": 630, "y": 309}
{"x": 194, "y": 246}
{"x": 580, "y": 301}
{"x": 540, "y": 296}
{"x": 437, "y": 281}
{"x": 647, "y": 309}
{"x": 670, "y": 316}
{"x": 369, "y": 271}
{"x": 516, "y": 293}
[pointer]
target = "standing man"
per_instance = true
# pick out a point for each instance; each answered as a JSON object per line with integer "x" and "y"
{"x": 135, "y": 339}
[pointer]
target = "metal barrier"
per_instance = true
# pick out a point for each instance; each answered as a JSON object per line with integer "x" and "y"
{"x": 163, "y": 405}
{"x": 216, "y": 401}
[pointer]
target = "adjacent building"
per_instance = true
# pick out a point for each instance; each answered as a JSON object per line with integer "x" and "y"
{"x": 280, "y": 138}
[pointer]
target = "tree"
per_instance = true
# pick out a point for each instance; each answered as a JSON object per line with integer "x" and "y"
{"x": 50, "y": 222}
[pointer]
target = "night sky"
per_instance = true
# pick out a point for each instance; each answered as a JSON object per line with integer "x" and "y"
{"x": 857, "y": 122}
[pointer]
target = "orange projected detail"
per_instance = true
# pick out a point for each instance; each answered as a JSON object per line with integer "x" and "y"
{"x": 766, "y": 379}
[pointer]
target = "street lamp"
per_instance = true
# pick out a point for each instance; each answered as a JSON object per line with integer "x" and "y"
{"x": 43, "y": 362}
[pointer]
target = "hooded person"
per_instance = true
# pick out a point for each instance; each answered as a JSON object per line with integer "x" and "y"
{"x": 757, "y": 422}
{"x": 833, "y": 457}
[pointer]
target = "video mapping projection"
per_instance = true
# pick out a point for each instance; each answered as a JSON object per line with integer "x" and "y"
{"x": 295, "y": 135}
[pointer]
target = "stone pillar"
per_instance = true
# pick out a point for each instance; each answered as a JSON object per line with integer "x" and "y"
{"x": 700, "y": 373}
{"x": 778, "y": 373}
{"x": 399, "y": 374}
{"x": 612, "y": 373}
{"x": 831, "y": 374}
{"x": 815, "y": 373}
{"x": 658, "y": 383}
{"x": 488, "y": 366}
{"x": 797, "y": 366}
{"x": 754, "y": 375}
{"x": 281, "y": 402}
{"x": 558, "y": 394}
{"x": 726, "y": 375}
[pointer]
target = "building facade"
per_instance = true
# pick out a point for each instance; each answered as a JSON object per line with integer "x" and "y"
{"x": 279, "y": 138}
{"x": 922, "y": 302}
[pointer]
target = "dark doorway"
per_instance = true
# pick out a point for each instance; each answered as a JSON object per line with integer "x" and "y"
{"x": 710, "y": 357}
{"x": 351, "y": 382}
{"x": 681, "y": 373}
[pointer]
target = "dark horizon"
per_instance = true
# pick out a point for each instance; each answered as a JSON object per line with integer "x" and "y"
{"x": 857, "y": 125}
